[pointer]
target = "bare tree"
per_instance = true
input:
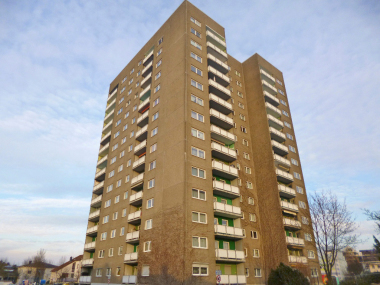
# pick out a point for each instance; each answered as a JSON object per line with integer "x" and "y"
{"x": 375, "y": 216}
{"x": 333, "y": 226}
{"x": 39, "y": 262}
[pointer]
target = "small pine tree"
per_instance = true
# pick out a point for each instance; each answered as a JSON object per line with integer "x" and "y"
{"x": 285, "y": 275}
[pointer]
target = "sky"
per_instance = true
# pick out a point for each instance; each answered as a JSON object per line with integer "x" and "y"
{"x": 58, "y": 58}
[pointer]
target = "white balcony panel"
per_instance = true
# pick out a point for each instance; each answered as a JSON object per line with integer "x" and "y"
{"x": 88, "y": 262}
{"x": 98, "y": 187}
{"x": 225, "y": 189}
{"x": 222, "y": 135}
{"x": 136, "y": 197}
{"x": 144, "y": 91}
{"x": 215, "y": 38}
{"x": 295, "y": 241}
{"x": 218, "y": 76}
{"x": 286, "y": 191}
{"x": 104, "y": 150}
{"x": 219, "y": 104}
{"x": 109, "y": 117}
{"x": 142, "y": 134}
{"x": 272, "y": 110}
{"x": 224, "y": 170}
{"x": 147, "y": 69}
{"x": 222, "y": 152}
{"x": 94, "y": 215}
{"x": 216, "y": 52}
{"x": 292, "y": 223}
{"x": 284, "y": 177}
{"x": 279, "y": 160}
{"x": 221, "y": 120}
{"x": 134, "y": 217}
{"x": 92, "y": 230}
{"x": 148, "y": 57}
{"x": 226, "y": 210}
{"x": 90, "y": 246}
{"x": 139, "y": 178}
{"x": 84, "y": 279}
{"x": 110, "y": 106}
{"x": 107, "y": 127}
{"x": 129, "y": 279}
{"x": 143, "y": 120}
{"x": 271, "y": 99}
{"x": 111, "y": 96}
{"x": 96, "y": 202}
{"x": 275, "y": 123}
{"x": 289, "y": 206}
{"x": 100, "y": 173}
{"x": 130, "y": 257}
{"x": 277, "y": 135}
{"x": 267, "y": 75}
{"x": 132, "y": 237}
{"x": 268, "y": 87}
{"x": 228, "y": 232}
{"x": 297, "y": 259}
{"x": 140, "y": 148}
{"x": 279, "y": 149}
{"x": 146, "y": 81}
{"x": 102, "y": 160}
{"x": 219, "y": 90}
{"x": 139, "y": 165}
{"x": 105, "y": 138}
{"x": 144, "y": 105}
{"x": 230, "y": 255}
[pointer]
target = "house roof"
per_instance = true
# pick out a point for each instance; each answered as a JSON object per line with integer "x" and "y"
{"x": 46, "y": 265}
{"x": 78, "y": 258}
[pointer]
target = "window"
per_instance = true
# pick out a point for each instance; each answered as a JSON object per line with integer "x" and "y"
{"x": 126, "y": 115}
{"x": 198, "y": 34}
{"x": 151, "y": 183}
{"x": 283, "y": 102}
{"x": 240, "y": 94}
{"x": 200, "y": 270}
{"x": 243, "y": 129}
{"x": 115, "y": 147}
{"x": 289, "y": 136}
{"x": 107, "y": 203}
{"x": 257, "y": 272}
{"x": 160, "y": 41}
{"x": 103, "y": 236}
{"x": 121, "y": 100}
{"x": 125, "y": 78}
{"x": 198, "y": 172}
{"x": 149, "y": 203}
{"x": 291, "y": 148}
{"x": 302, "y": 204}
{"x": 139, "y": 72}
{"x": 314, "y": 272}
{"x": 299, "y": 189}
{"x": 247, "y": 170}
{"x": 246, "y": 155}
{"x": 152, "y": 165}
{"x": 254, "y": 235}
{"x": 159, "y": 52}
{"x": 145, "y": 270}
{"x": 120, "y": 250}
{"x": 295, "y": 162}
{"x": 158, "y": 75}
{"x": 148, "y": 224}
{"x": 111, "y": 174}
{"x": 108, "y": 272}
{"x": 246, "y": 272}
{"x": 101, "y": 255}
{"x": 197, "y": 152}
{"x": 137, "y": 83}
{"x": 256, "y": 253}
{"x": 305, "y": 220}
{"x": 154, "y": 132}
{"x": 196, "y": 84}
{"x": 281, "y": 92}
{"x": 155, "y": 102}
{"x": 242, "y": 117}
{"x": 195, "y": 21}
{"x": 155, "y": 116}
{"x": 197, "y": 100}
{"x": 245, "y": 142}
{"x": 129, "y": 93}
{"x": 114, "y": 216}
{"x": 285, "y": 113}
{"x": 113, "y": 233}
{"x": 120, "y": 168}
{"x": 199, "y": 242}
{"x": 109, "y": 188}
{"x": 133, "y": 70}
{"x": 249, "y": 185}
{"x": 118, "y": 183}
{"x": 116, "y": 134}
{"x": 195, "y": 44}
{"x": 147, "y": 246}
{"x": 251, "y": 201}
{"x": 124, "y": 213}
{"x": 132, "y": 133}
{"x": 118, "y": 123}
{"x": 197, "y": 217}
{"x": 241, "y": 105}
{"x": 237, "y": 73}
{"x": 117, "y": 198}
{"x": 308, "y": 237}
{"x": 287, "y": 125}
{"x": 197, "y": 116}
{"x": 113, "y": 160}
{"x": 196, "y": 57}
{"x": 122, "y": 153}
{"x": 122, "y": 90}
{"x": 130, "y": 81}
{"x": 110, "y": 252}
{"x": 197, "y": 134}
{"x": 153, "y": 147}
{"x": 278, "y": 81}
{"x": 310, "y": 254}
{"x": 117, "y": 271}
{"x": 196, "y": 70}
{"x": 157, "y": 88}
{"x": 158, "y": 63}
{"x": 198, "y": 194}
{"x": 252, "y": 217}
{"x": 106, "y": 219}
{"x": 98, "y": 271}
{"x": 297, "y": 175}
{"x": 127, "y": 179}
{"x": 238, "y": 83}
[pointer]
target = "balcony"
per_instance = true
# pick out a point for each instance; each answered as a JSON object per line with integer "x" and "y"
{"x": 109, "y": 117}
{"x": 284, "y": 177}
{"x": 222, "y": 135}
{"x": 289, "y": 206}
{"x": 110, "y": 106}
{"x": 295, "y": 241}
{"x": 279, "y": 149}
{"x": 94, "y": 216}
{"x": 131, "y": 258}
{"x": 84, "y": 279}
{"x": 228, "y": 232}
{"x": 133, "y": 237}
{"x": 217, "y": 64}
{"x": 112, "y": 95}
{"x": 275, "y": 123}
{"x": 229, "y": 255}
{"x": 100, "y": 175}
{"x": 268, "y": 87}
{"x": 143, "y": 120}
{"x": 145, "y": 93}
{"x": 293, "y": 224}
{"x": 280, "y": 161}
{"x": 144, "y": 105}
{"x": 220, "y": 104}
{"x": 135, "y": 218}
{"x": 223, "y": 170}
{"x": 142, "y": 134}
{"x": 96, "y": 202}
{"x": 222, "y": 152}
{"x": 277, "y": 135}
{"x": 215, "y": 40}
{"x": 272, "y": 110}
{"x": 92, "y": 231}
{"x": 217, "y": 53}
{"x": 265, "y": 75}
{"x": 104, "y": 150}
{"x": 88, "y": 262}
{"x": 228, "y": 211}
{"x": 146, "y": 81}
{"x": 148, "y": 69}
{"x": 226, "y": 190}
{"x": 98, "y": 188}
{"x": 148, "y": 58}
{"x": 107, "y": 127}
{"x": 271, "y": 99}
{"x": 221, "y": 120}
{"x": 219, "y": 90}
{"x": 105, "y": 138}
{"x": 137, "y": 182}
{"x": 102, "y": 163}
{"x": 140, "y": 148}
{"x": 233, "y": 279}
{"x": 139, "y": 165}
{"x": 218, "y": 76}
{"x": 90, "y": 246}
{"x": 136, "y": 199}
{"x": 129, "y": 279}
{"x": 297, "y": 259}
{"x": 286, "y": 192}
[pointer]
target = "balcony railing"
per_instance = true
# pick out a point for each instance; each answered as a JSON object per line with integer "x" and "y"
{"x": 96, "y": 202}
{"x": 148, "y": 69}
{"x": 109, "y": 117}
{"x": 84, "y": 279}
{"x": 279, "y": 160}
{"x": 143, "y": 120}
{"x": 222, "y": 152}
{"x": 284, "y": 177}
{"x": 111, "y": 106}
{"x": 270, "y": 88}
{"x": 295, "y": 241}
{"x": 134, "y": 217}
{"x": 271, "y": 99}
{"x": 230, "y": 255}
{"x": 102, "y": 162}
{"x": 148, "y": 58}
{"x": 92, "y": 230}
{"x": 133, "y": 237}
{"x": 267, "y": 75}
{"x": 297, "y": 259}
{"x": 105, "y": 138}
{"x": 131, "y": 257}
{"x": 228, "y": 232}
{"x": 218, "y": 76}
{"x": 140, "y": 148}
{"x": 289, "y": 206}
{"x": 90, "y": 246}
{"x": 275, "y": 123}
{"x": 215, "y": 40}
{"x": 94, "y": 215}
{"x": 222, "y": 135}
{"x": 139, "y": 165}
{"x": 279, "y": 148}
{"x": 286, "y": 191}
{"x": 233, "y": 279}
{"x": 144, "y": 105}
{"x": 225, "y": 189}
{"x": 100, "y": 175}
{"x": 277, "y": 135}
{"x": 292, "y": 223}
{"x": 98, "y": 188}
{"x": 226, "y": 210}
{"x": 107, "y": 127}
{"x": 145, "y": 93}
{"x": 272, "y": 110}
{"x": 104, "y": 150}
{"x": 219, "y": 90}
{"x": 88, "y": 262}
{"x": 136, "y": 198}
{"x": 142, "y": 134}
{"x": 146, "y": 81}
{"x": 137, "y": 181}
{"x": 224, "y": 170}
{"x": 217, "y": 52}
{"x": 129, "y": 279}
{"x": 221, "y": 120}
{"x": 220, "y": 105}
{"x": 111, "y": 96}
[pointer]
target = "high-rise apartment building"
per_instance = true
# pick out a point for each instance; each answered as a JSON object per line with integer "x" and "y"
{"x": 198, "y": 172}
